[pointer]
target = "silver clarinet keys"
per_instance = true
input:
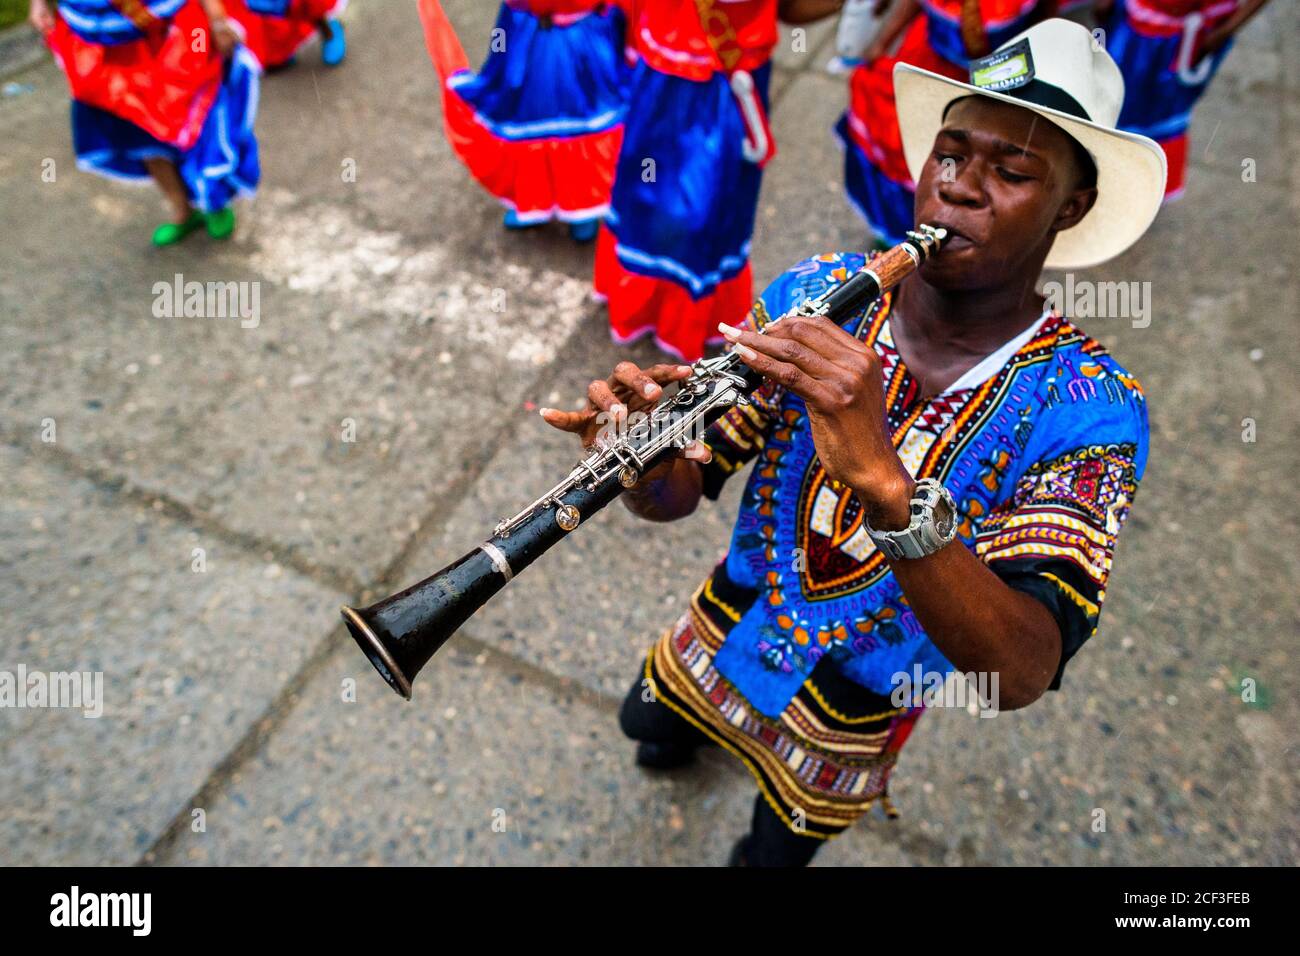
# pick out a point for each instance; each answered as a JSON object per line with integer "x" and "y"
{"x": 567, "y": 517}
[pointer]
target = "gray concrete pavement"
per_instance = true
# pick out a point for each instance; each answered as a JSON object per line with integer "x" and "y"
{"x": 232, "y": 691}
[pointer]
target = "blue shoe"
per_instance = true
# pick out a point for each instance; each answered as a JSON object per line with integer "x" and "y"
{"x": 512, "y": 221}
{"x": 335, "y": 46}
{"x": 584, "y": 231}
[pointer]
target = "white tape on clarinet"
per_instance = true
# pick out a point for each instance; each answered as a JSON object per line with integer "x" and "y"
{"x": 499, "y": 559}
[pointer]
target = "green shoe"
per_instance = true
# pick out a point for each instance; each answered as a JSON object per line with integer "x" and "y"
{"x": 170, "y": 233}
{"x": 221, "y": 223}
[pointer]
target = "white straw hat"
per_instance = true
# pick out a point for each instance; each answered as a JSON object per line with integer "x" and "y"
{"x": 1057, "y": 70}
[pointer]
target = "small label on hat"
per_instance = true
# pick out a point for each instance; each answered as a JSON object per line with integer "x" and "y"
{"x": 1004, "y": 69}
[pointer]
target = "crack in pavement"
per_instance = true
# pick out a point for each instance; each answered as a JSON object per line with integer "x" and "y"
{"x": 282, "y": 705}
{"x": 163, "y": 503}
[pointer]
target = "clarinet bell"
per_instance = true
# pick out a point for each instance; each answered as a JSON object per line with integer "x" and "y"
{"x": 402, "y": 632}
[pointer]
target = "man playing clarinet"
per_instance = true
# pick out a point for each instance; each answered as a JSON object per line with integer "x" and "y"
{"x": 935, "y": 484}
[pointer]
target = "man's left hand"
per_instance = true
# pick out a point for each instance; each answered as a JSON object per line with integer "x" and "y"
{"x": 839, "y": 378}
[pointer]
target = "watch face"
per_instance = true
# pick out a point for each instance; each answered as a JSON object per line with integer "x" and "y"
{"x": 944, "y": 517}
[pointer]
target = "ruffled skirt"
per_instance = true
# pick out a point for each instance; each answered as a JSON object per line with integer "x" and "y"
{"x": 138, "y": 100}
{"x": 673, "y": 259}
{"x": 539, "y": 125}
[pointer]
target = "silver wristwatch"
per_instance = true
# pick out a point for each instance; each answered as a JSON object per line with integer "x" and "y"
{"x": 933, "y": 524}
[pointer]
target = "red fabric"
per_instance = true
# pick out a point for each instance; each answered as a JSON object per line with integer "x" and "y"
{"x": 159, "y": 83}
{"x": 639, "y": 305}
{"x": 903, "y": 727}
{"x": 440, "y": 39}
{"x": 990, "y": 11}
{"x": 1215, "y": 9}
{"x": 1176, "y": 156}
{"x": 569, "y": 176}
{"x": 873, "y": 115}
{"x": 275, "y": 40}
{"x": 1167, "y": 18}
{"x": 694, "y": 39}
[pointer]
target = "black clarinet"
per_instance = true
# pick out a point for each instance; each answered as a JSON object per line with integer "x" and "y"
{"x": 402, "y": 632}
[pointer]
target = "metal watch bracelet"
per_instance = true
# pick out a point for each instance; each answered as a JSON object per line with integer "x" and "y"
{"x": 925, "y": 534}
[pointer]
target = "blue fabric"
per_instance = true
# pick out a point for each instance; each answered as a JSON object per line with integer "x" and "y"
{"x": 691, "y": 223}
{"x": 221, "y": 165}
{"x": 275, "y": 8}
{"x": 1157, "y": 101}
{"x": 944, "y": 34}
{"x": 269, "y": 8}
{"x": 549, "y": 81}
{"x": 98, "y": 21}
{"x": 1067, "y": 399}
{"x": 885, "y": 205}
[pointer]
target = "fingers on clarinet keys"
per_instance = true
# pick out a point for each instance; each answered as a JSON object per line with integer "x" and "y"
{"x": 646, "y": 383}
{"x": 639, "y": 387}
{"x": 732, "y": 335}
{"x": 628, "y": 388}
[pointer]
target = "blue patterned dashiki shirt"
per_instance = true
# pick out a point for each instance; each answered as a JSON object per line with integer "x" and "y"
{"x": 1043, "y": 459}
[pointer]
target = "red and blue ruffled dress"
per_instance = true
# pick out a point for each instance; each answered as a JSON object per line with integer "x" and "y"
{"x": 672, "y": 260}
{"x": 140, "y": 91}
{"x": 275, "y": 30}
{"x": 1157, "y": 44}
{"x": 942, "y": 40}
{"x": 539, "y": 124}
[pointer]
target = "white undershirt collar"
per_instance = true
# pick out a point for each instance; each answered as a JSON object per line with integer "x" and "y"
{"x": 988, "y": 366}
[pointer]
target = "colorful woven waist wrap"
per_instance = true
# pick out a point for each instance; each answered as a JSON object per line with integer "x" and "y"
{"x": 825, "y": 759}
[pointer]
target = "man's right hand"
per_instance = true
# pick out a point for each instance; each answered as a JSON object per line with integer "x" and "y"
{"x": 610, "y": 401}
